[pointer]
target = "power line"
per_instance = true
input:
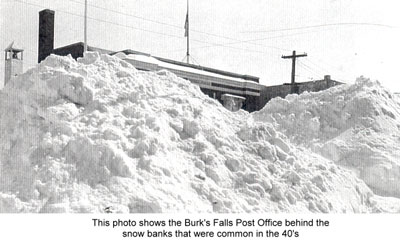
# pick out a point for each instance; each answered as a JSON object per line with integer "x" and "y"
{"x": 229, "y": 47}
{"x": 126, "y": 14}
{"x": 103, "y": 21}
{"x": 329, "y": 65}
{"x": 324, "y": 25}
{"x": 309, "y": 69}
{"x": 305, "y": 78}
{"x": 316, "y": 65}
{"x": 176, "y": 36}
{"x": 258, "y": 39}
{"x": 174, "y": 26}
{"x": 312, "y": 75}
{"x": 325, "y": 70}
{"x": 136, "y": 28}
{"x": 313, "y": 67}
{"x": 328, "y": 71}
{"x": 210, "y": 44}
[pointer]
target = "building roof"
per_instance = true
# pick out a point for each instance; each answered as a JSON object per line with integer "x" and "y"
{"x": 160, "y": 64}
{"x": 10, "y": 48}
{"x": 90, "y": 48}
{"x": 167, "y": 63}
{"x": 193, "y": 66}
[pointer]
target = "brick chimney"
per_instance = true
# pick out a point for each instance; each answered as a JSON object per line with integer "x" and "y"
{"x": 46, "y": 33}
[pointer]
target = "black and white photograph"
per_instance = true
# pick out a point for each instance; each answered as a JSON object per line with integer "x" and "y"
{"x": 199, "y": 106}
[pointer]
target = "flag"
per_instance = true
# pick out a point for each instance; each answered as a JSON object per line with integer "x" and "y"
{"x": 187, "y": 25}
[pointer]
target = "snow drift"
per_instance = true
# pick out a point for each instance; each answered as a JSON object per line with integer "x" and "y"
{"x": 96, "y": 135}
{"x": 355, "y": 125}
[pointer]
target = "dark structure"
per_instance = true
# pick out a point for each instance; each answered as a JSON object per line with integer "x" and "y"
{"x": 76, "y": 50}
{"x": 217, "y": 84}
{"x": 270, "y": 92}
{"x": 46, "y": 33}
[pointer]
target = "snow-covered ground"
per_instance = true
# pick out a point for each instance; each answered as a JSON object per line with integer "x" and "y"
{"x": 356, "y": 126}
{"x": 98, "y": 135}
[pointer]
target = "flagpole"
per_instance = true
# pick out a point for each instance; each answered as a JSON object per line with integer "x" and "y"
{"x": 85, "y": 30}
{"x": 187, "y": 36}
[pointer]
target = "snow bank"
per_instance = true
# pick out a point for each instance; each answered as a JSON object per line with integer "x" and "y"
{"x": 354, "y": 125}
{"x": 96, "y": 135}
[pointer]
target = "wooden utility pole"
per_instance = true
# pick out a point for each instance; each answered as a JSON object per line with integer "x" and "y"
{"x": 293, "y": 57}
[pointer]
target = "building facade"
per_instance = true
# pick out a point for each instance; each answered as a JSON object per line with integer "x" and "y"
{"x": 221, "y": 85}
{"x": 213, "y": 82}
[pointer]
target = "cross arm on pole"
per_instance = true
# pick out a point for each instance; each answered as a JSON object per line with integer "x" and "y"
{"x": 293, "y": 57}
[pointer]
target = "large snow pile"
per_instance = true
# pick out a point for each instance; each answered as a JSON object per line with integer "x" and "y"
{"x": 355, "y": 125}
{"x": 96, "y": 135}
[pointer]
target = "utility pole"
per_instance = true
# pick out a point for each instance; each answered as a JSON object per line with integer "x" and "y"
{"x": 85, "y": 30}
{"x": 187, "y": 33}
{"x": 293, "y": 57}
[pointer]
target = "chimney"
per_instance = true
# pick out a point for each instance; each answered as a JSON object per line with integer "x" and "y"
{"x": 327, "y": 79}
{"x": 46, "y": 33}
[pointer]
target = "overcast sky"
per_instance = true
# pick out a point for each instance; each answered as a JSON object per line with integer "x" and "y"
{"x": 343, "y": 38}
